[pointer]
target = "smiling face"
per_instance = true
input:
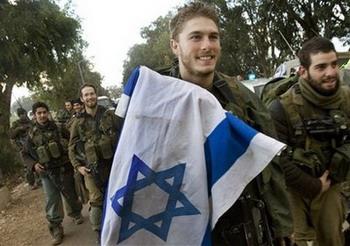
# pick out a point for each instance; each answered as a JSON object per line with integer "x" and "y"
{"x": 89, "y": 97}
{"x": 197, "y": 47}
{"x": 322, "y": 73}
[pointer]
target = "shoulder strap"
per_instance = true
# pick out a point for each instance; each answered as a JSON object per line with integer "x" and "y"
{"x": 231, "y": 92}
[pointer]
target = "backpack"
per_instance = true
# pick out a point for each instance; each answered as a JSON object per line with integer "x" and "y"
{"x": 276, "y": 87}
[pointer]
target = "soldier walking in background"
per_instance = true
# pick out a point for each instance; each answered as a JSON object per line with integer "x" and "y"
{"x": 18, "y": 133}
{"x": 94, "y": 135}
{"x": 52, "y": 164}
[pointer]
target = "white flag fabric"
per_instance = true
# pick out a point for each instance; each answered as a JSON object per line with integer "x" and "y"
{"x": 181, "y": 162}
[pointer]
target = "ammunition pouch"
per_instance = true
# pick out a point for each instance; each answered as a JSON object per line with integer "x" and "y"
{"x": 43, "y": 154}
{"x": 90, "y": 151}
{"x": 54, "y": 149}
{"x": 309, "y": 161}
{"x": 64, "y": 144}
{"x": 104, "y": 147}
{"x": 339, "y": 165}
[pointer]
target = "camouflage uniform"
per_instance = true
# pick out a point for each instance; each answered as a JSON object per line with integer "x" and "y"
{"x": 46, "y": 146}
{"x": 269, "y": 186}
{"x": 92, "y": 144}
{"x": 316, "y": 129}
{"x": 18, "y": 133}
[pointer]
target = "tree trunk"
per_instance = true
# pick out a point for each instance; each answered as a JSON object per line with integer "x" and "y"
{"x": 8, "y": 155}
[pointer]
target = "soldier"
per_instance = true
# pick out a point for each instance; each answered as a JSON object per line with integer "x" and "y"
{"x": 312, "y": 117}
{"x": 18, "y": 133}
{"x": 78, "y": 108}
{"x": 195, "y": 40}
{"x": 94, "y": 135}
{"x": 52, "y": 164}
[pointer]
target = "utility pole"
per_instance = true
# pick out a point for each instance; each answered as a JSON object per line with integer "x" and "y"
{"x": 81, "y": 72}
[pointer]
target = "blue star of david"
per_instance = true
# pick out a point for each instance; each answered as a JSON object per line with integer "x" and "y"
{"x": 165, "y": 217}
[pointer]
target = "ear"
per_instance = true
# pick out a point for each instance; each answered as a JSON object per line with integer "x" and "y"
{"x": 81, "y": 99}
{"x": 174, "y": 45}
{"x": 303, "y": 73}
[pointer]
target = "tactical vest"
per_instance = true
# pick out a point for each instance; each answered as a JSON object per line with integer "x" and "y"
{"x": 98, "y": 136}
{"x": 312, "y": 153}
{"x": 47, "y": 145}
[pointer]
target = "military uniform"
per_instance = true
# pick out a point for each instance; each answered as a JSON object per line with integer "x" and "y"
{"x": 315, "y": 127}
{"x": 92, "y": 144}
{"x": 239, "y": 225}
{"x": 18, "y": 133}
{"x": 46, "y": 147}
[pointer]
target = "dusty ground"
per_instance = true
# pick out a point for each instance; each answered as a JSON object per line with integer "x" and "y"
{"x": 23, "y": 222}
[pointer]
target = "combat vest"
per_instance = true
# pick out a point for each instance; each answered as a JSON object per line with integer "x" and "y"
{"x": 313, "y": 143}
{"x": 47, "y": 146}
{"x": 97, "y": 135}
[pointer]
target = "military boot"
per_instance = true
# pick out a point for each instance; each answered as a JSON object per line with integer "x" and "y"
{"x": 57, "y": 234}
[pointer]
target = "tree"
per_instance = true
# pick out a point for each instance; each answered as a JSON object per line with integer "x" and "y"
{"x": 36, "y": 38}
{"x": 115, "y": 91}
{"x": 57, "y": 90}
{"x": 253, "y": 33}
{"x": 253, "y": 30}
{"x": 155, "y": 52}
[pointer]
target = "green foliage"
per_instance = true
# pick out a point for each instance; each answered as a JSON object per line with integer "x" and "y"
{"x": 66, "y": 87}
{"x": 251, "y": 33}
{"x": 35, "y": 37}
{"x": 36, "y": 40}
{"x": 155, "y": 52}
{"x": 115, "y": 91}
{"x": 252, "y": 30}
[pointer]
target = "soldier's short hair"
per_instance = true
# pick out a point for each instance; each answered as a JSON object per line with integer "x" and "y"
{"x": 314, "y": 46}
{"x": 87, "y": 85}
{"x": 21, "y": 111}
{"x": 39, "y": 105}
{"x": 188, "y": 12}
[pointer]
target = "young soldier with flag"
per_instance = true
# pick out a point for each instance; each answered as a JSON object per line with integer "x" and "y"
{"x": 182, "y": 160}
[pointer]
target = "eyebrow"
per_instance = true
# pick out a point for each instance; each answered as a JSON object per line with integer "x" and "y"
{"x": 326, "y": 63}
{"x": 199, "y": 32}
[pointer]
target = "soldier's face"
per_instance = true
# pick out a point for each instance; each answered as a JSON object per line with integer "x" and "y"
{"x": 77, "y": 107}
{"x": 68, "y": 106}
{"x": 197, "y": 48}
{"x": 41, "y": 115}
{"x": 89, "y": 97}
{"x": 323, "y": 73}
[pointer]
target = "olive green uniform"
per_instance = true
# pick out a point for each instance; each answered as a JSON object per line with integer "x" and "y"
{"x": 18, "y": 133}
{"x": 315, "y": 127}
{"x": 269, "y": 186}
{"x": 46, "y": 147}
{"x": 92, "y": 144}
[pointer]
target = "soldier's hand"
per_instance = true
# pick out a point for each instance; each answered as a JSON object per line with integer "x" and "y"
{"x": 39, "y": 168}
{"x": 326, "y": 183}
{"x": 83, "y": 170}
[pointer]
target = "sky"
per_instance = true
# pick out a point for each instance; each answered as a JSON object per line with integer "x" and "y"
{"x": 112, "y": 27}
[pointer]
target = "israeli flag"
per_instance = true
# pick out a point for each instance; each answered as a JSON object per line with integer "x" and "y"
{"x": 181, "y": 162}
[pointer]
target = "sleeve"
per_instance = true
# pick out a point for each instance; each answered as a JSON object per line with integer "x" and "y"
{"x": 296, "y": 178}
{"x": 31, "y": 153}
{"x": 73, "y": 141}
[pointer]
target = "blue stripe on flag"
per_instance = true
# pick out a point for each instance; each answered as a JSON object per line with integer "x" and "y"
{"x": 227, "y": 142}
{"x": 131, "y": 83}
{"x": 207, "y": 236}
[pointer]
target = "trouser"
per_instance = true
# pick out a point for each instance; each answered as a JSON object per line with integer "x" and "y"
{"x": 95, "y": 201}
{"x": 320, "y": 219}
{"x": 31, "y": 177}
{"x": 57, "y": 183}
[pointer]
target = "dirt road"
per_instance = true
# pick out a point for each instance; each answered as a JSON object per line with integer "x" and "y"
{"x": 23, "y": 222}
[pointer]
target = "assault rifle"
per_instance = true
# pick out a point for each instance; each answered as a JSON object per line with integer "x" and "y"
{"x": 327, "y": 128}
